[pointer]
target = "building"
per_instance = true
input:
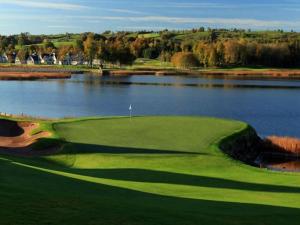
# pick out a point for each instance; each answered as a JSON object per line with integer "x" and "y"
{"x": 33, "y": 59}
{"x": 96, "y": 62}
{"x": 74, "y": 60}
{"x": 49, "y": 59}
{"x": 3, "y": 58}
{"x": 77, "y": 59}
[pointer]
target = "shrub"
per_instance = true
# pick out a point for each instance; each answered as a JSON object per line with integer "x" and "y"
{"x": 185, "y": 60}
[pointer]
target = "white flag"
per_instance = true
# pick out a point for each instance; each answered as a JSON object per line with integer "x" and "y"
{"x": 130, "y": 107}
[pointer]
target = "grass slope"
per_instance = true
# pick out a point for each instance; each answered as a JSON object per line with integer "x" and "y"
{"x": 148, "y": 170}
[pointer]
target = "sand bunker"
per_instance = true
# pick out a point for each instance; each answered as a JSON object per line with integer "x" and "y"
{"x": 17, "y": 135}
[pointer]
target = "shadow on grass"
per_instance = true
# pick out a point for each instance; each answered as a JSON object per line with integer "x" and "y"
{"x": 151, "y": 176}
{"x": 78, "y": 148}
{"x": 64, "y": 200}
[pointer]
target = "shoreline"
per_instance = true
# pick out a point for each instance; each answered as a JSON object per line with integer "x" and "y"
{"x": 231, "y": 73}
{"x": 56, "y": 72}
{"x": 34, "y": 75}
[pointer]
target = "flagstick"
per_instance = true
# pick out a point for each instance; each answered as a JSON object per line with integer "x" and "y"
{"x": 130, "y": 111}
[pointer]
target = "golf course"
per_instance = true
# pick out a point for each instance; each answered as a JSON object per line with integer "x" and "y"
{"x": 142, "y": 171}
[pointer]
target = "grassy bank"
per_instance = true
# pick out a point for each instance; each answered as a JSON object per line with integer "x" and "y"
{"x": 147, "y": 170}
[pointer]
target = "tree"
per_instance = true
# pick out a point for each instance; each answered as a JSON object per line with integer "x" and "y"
{"x": 185, "y": 60}
{"x": 23, "y": 39}
{"x": 49, "y": 45}
{"x": 23, "y": 55}
{"x": 90, "y": 48}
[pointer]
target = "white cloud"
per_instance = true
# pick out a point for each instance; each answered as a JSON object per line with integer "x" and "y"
{"x": 195, "y": 20}
{"x": 44, "y": 4}
{"x": 61, "y": 26}
{"x": 125, "y": 11}
{"x": 201, "y": 5}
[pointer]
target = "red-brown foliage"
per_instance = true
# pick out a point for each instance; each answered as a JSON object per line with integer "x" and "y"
{"x": 284, "y": 144}
{"x": 185, "y": 60}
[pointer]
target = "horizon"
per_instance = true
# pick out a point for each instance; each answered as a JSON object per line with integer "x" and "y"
{"x": 78, "y": 16}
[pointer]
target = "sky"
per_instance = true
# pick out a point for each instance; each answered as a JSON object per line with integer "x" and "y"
{"x": 74, "y": 16}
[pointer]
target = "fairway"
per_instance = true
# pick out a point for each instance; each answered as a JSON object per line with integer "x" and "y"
{"x": 144, "y": 171}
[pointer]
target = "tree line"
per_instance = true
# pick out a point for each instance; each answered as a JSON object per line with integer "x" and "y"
{"x": 206, "y": 48}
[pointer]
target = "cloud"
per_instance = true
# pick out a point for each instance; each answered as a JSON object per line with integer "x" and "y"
{"x": 44, "y": 4}
{"x": 125, "y": 11}
{"x": 202, "y": 5}
{"x": 195, "y": 20}
{"x": 61, "y": 26}
{"x": 240, "y": 5}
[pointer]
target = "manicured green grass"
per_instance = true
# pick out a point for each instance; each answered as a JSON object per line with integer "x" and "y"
{"x": 144, "y": 171}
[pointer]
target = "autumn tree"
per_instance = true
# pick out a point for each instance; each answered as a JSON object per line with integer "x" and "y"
{"x": 90, "y": 48}
{"x": 185, "y": 60}
{"x": 23, "y": 55}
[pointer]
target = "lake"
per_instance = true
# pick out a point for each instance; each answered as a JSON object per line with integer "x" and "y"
{"x": 270, "y": 106}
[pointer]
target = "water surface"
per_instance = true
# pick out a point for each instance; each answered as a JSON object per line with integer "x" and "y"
{"x": 271, "y": 106}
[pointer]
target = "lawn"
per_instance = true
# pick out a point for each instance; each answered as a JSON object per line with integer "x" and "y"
{"x": 142, "y": 63}
{"x": 144, "y": 171}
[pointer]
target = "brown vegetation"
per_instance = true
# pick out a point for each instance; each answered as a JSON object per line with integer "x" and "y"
{"x": 32, "y": 75}
{"x": 185, "y": 60}
{"x": 283, "y": 144}
{"x": 284, "y": 73}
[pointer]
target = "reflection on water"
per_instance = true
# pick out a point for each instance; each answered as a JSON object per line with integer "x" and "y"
{"x": 292, "y": 166}
{"x": 271, "y": 106}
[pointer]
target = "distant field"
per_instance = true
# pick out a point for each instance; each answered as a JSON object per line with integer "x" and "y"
{"x": 150, "y": 63}
{"x": 150, "y": 35}
{"x": 144, "y": 171}
{"x": 57, "y": 44}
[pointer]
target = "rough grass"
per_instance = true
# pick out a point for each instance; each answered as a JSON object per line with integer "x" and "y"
{"x": 144, "y": 171}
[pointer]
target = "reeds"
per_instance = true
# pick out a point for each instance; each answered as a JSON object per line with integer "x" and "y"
{"x": 283, "y": 144}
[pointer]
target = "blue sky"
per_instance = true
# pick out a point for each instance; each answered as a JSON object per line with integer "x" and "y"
{"x": 60, "y": 16}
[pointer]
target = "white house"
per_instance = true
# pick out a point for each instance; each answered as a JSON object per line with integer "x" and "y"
{"x": 33, "y": 59}
{"x": 49, "y": 59}
{"x": 96, "y": 62}
{"x": 18, "y": 61}
{"x": 67, "y": 60}
{"x": 77, "y": 59}
{"x": 3, "y": 58}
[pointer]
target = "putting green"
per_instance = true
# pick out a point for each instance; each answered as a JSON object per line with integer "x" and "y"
{"x": 142, "y": 171}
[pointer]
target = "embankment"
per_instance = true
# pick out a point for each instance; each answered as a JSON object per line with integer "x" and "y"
{"x": 272, "y": 73}
{"x": 244, "y": 146}
{"x": 33, "y": 75}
